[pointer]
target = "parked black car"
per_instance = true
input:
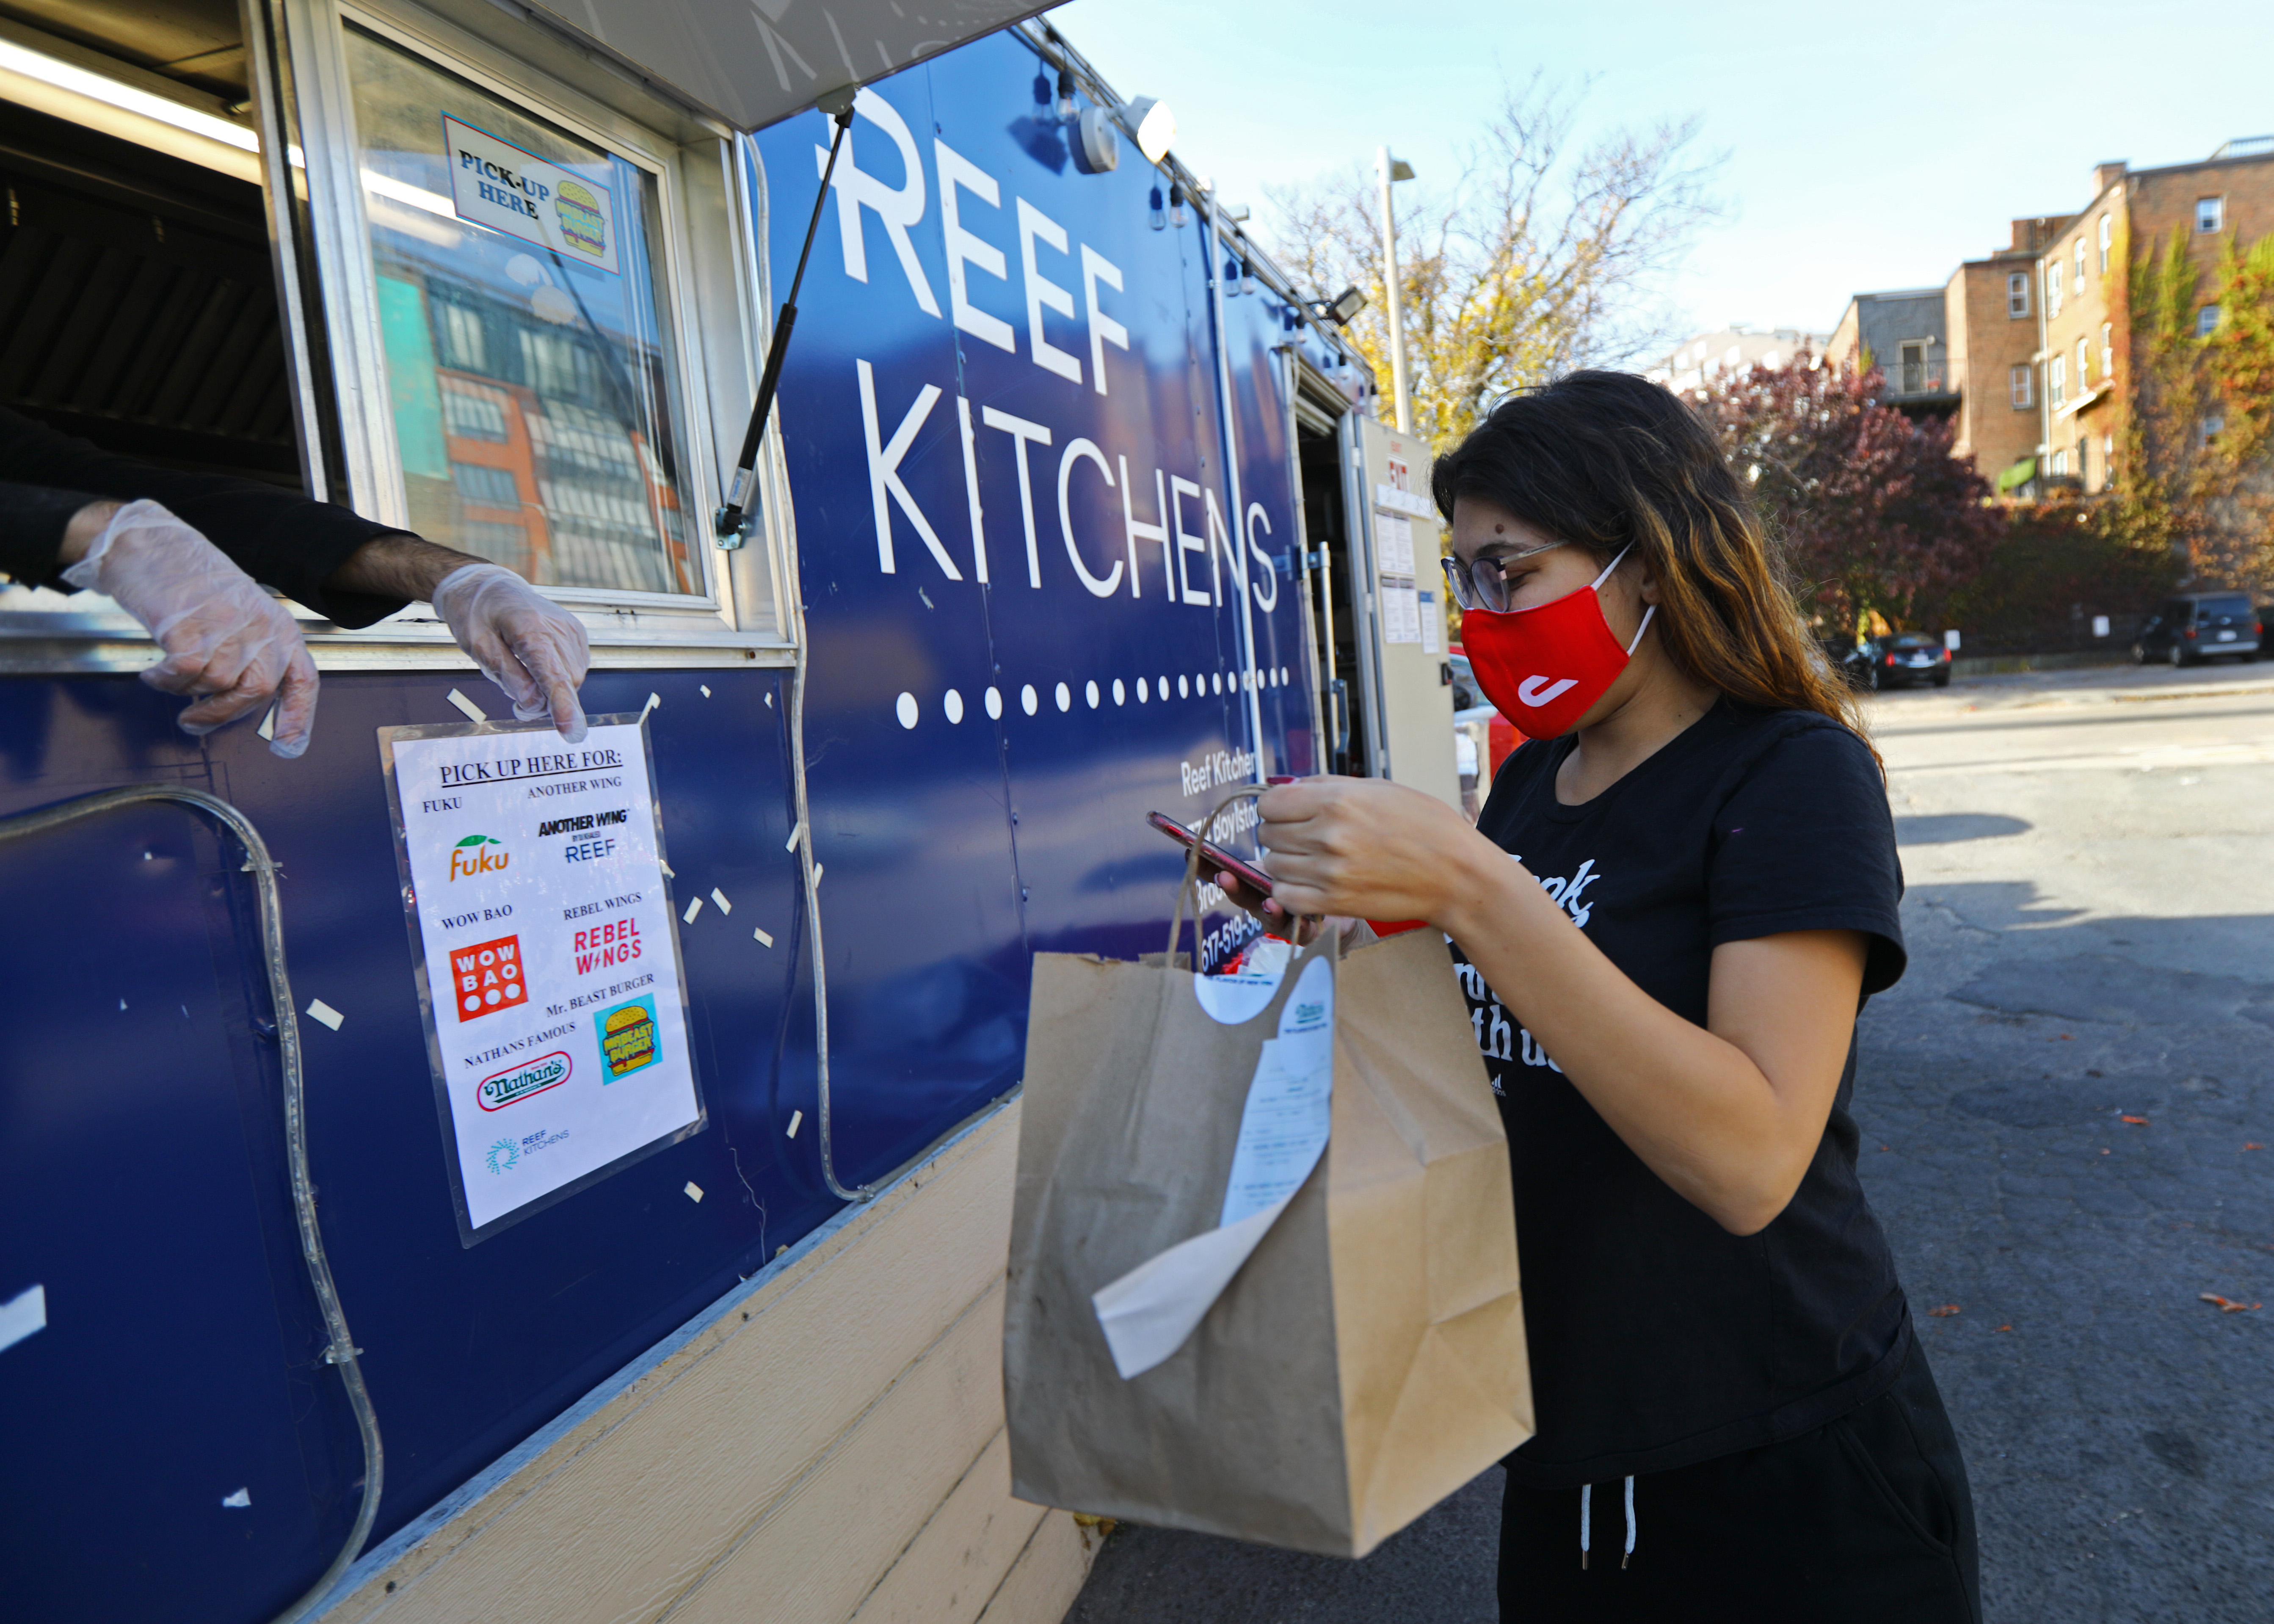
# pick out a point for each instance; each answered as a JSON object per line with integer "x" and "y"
{"x": 2200, "y": 625}
{"x": 1896, "y": 661}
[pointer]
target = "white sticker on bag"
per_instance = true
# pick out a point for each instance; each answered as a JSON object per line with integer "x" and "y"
{"x": 1283, "y": 1128}
{"x": 1242, "y": 993}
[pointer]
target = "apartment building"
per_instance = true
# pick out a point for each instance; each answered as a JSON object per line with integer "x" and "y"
{"x": 2135, "y": 214}
{"x": 1990, "y": 319}
{"x": 1703, "y": 357}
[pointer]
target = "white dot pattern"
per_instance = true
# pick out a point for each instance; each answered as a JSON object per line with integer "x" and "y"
{"x": 908, "y": 710}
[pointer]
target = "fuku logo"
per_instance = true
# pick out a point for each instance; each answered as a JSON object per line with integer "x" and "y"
{"x": 1541, "y": 691}
{"x": 478, "y": 854}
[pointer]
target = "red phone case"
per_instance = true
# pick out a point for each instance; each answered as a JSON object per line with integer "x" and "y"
{"x": 1254, "y": 877}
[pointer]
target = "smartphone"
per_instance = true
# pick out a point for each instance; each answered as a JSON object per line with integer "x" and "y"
{"x": 1238, "y": 868}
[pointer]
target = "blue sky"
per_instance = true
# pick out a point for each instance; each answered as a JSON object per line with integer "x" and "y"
{"x": 1869, "y": 147}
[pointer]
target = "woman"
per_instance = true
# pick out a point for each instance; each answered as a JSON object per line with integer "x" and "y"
{"x": 1665, "y": 922}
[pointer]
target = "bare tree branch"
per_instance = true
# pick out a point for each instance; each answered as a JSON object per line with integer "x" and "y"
{"x": 1537, "y": 259}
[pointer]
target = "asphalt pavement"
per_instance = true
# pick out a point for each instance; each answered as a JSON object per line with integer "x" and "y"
{"x": 2068, "y": 1108}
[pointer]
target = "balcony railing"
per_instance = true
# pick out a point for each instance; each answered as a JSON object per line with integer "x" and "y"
{"x": 1908, "y": 379}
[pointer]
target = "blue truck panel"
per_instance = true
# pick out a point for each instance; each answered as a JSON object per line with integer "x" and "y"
{"x": 1012, "y": 476}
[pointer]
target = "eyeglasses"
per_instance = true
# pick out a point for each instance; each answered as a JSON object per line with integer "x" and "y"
{"x": 1481, "y": 585}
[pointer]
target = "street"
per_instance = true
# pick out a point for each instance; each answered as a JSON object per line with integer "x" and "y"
{"x": 2068, "y": 1131}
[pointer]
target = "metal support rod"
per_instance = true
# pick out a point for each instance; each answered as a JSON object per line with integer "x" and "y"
{"x": 1252, "y": 679}
{"x": 340, "y": 1350}
{"x": 1393, "y": 297}
{"x": 727, "y": 525}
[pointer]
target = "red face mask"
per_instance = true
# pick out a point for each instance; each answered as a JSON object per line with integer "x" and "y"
{"x": 1544, "y": 667}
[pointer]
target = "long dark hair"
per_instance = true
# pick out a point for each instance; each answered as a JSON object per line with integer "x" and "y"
{"x": 1608, "y": 461}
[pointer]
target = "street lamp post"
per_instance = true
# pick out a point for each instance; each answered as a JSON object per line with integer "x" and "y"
{"x": 1391, "y": 171}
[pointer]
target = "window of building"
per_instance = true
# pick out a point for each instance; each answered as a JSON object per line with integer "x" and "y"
{"x": 2107, "y": 234}
{"x": 472, "y": 414}
{"x": 2107, "y": 350}
{"x": 2080, "y": 267}
{"x": 2057, "y": 380}
{"x": 557, "y": 362}
{"x": 1913, "y": 357}
{"x": 2210, "y": 214}
{"x": 2017, "y": 386}
{"x": 2083, "y": 367}
{"x": 2083, "y": 471}
{"x": 2052, "y": 287}
{"x": 2017, "y": 296}
{"x": 2060, "y": 463}
{"x": 2107, "y": 458}
{"x": 485, "y": 486}
{"x": 2207, "y": 322}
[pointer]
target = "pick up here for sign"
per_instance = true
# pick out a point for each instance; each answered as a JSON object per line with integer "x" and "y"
{"x": 542, "y": 921}
{"x": 497, "y": 185}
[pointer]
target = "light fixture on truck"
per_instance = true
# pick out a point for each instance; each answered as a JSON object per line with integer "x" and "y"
{"x": 1342, "y": 308}
{"x": 1153, "y": 126}
{"x": 1101, "y": 142}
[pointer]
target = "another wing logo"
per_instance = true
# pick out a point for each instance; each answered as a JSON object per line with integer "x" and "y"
{"x": 1540, "y": 691}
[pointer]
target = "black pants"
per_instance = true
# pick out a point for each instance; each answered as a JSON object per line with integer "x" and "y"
{"x": 1867, "y": 1518}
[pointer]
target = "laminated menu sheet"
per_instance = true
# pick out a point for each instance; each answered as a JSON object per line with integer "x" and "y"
{"x": 547, "y": 955}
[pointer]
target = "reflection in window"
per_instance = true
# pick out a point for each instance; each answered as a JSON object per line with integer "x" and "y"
{"x": 485, "y": 487}
{"x": 533, "y": 382}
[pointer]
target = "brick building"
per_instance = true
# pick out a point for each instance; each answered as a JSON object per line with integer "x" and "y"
{"x": 2038, "y": 331}
{"x": 1990, "y": 316}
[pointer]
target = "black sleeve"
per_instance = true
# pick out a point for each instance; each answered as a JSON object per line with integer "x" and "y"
{"x": 1806, "y": 842}
{"x": 279, "y": 539}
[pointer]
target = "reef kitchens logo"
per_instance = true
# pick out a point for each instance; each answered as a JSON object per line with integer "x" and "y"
{"x": 494, "y": 1093}
{"x": 478, "y": 854}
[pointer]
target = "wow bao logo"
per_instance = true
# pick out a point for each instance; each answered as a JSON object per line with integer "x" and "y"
{"x": 478, "y": 854}
{"x": 628, "y": 1042}
{"x": 494, "y": 1093}
{"x": 487, "y": 978}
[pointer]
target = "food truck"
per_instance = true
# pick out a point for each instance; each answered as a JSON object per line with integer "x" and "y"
{"x": 461, "y": 1174}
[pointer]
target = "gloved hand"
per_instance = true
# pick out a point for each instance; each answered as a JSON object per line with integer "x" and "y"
{"x": 530, "y": 647}
{"x": 222, "y": 637}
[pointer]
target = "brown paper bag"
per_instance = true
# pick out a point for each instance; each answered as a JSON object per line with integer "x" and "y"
{"x": 1369, "y": 1358}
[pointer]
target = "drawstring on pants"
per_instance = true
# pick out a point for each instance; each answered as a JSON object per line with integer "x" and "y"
{"x": 1586, "y": 1505}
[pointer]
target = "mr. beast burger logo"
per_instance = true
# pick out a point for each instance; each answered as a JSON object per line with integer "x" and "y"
{"x": 487, "y": 978}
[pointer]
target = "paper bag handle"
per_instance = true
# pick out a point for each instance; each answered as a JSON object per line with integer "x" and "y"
{"x": 1191, "y": 884}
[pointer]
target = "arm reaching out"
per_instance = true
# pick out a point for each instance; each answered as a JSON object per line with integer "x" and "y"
{"x": 221, "y": 637}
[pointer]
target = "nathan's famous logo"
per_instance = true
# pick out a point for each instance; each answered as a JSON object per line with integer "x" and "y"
{"x": 486, "y": 977}
{"x": 478, "y": 854}
{"x": 494, "y": 1093}
{"x": 583, "y": 226}
{"x": 628, "y": 1042}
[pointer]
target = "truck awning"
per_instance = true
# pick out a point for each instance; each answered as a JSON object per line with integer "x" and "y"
{"x": 755, "y": 63}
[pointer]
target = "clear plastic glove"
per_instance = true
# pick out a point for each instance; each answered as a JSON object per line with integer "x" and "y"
{"x": 532, "y": 648}
{"x": 223, "y": 637}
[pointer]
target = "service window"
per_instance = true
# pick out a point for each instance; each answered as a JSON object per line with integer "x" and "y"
{"x": 526, "y": 319}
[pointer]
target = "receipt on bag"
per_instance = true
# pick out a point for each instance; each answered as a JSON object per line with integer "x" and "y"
{"x": 1148, "y": 1313}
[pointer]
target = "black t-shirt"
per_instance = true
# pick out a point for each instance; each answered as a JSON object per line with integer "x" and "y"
{"x": 1659, "y": 1339}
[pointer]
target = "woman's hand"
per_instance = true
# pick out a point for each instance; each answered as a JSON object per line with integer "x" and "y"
{"x": 1366, "y": 849}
